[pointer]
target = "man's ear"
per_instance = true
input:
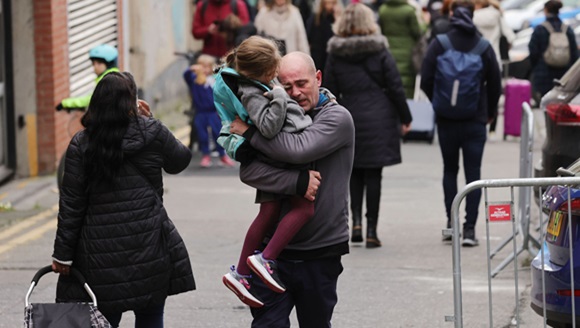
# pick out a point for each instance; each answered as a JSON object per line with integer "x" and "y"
{"x": 319, "y": 78}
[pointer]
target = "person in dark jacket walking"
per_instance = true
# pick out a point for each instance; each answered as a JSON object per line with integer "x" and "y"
{"x": 319, "y": 29}
{"x": 112, "y": 226}
{"x": 363, "y": 75}
{"x": 542, "y": 74}
{"x": 467, "y": 135}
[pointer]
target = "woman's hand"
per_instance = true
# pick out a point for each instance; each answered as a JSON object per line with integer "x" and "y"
{"x": 238, "y": 126}
{"x": 60, "y": 268}
{"x": 405, "y": 128}
{"x": 143, "y": 108}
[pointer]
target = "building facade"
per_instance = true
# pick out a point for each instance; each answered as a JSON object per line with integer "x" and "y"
{"x": 44, "y": 48}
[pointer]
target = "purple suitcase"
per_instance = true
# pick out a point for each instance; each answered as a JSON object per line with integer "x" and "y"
{"x": 516, "y": 93}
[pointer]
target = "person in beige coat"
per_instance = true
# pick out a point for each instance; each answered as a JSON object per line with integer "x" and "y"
{"x": 282, "y": 20}
{"x": 489, "y": 20}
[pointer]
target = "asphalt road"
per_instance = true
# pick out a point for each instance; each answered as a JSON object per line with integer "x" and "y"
{"x": 406, "y": 283}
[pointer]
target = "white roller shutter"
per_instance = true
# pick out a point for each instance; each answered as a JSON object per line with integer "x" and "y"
{"x": 90, "y": 23}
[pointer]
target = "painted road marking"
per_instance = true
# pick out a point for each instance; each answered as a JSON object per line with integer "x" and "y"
{"x": 28, "y": 237}
{"x": 28, "y": 222}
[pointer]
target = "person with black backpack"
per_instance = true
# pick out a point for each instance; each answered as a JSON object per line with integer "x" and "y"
{"x": 553, "y": 50}
{"x": 461, "y": 77}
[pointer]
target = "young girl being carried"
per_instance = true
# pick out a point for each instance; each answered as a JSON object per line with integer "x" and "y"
{"x": 255, "y": 65}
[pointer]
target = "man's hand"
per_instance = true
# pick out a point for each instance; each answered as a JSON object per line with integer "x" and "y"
{"x": 143, "y": 108}
{"x": 238, "y": 126}
{"x": 60, "y": 268}
{"x": 405, "y": 128}
{"x": 313, "y": 185}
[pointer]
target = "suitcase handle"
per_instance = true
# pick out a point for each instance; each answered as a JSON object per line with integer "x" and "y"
{"x": 78, "y": 275}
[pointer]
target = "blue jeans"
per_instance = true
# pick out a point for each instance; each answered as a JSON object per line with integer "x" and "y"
{"x": 149, "y": 317}
{"x": 469, "y": 138}
{"x": 310, "y": 287}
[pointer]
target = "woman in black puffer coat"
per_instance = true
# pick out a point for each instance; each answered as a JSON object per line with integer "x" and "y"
{"x": 112, "y": 225}
{"x": 361, "y": 72}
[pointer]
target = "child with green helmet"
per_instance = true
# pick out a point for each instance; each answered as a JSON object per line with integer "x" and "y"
{"x": 104, "y": 60}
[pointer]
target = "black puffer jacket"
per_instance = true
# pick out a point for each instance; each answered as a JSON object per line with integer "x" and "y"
{"x": 120, "y": 236}
{"x": 377, "y": 103}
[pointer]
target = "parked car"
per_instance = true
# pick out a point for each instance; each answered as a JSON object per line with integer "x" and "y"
{"x": 556, "y": 261}
{"x": 561, "y": 108}
{"x": 514, "y": 4}
{"x": 570, "y": 9}
{"x": 517, "y": 17}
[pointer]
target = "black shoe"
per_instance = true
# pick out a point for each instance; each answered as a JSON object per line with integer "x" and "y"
{"x": 356, "y": 236}
{"x": 469, "y": 239}
{"x": 447, "y": 237}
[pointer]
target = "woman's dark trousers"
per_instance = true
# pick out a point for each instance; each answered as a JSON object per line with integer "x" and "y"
{"x": 369, "y": 180}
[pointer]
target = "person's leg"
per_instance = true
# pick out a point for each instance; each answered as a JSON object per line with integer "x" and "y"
{"x": 264, "y": 265}
{"x": 301, "y": 211}
{"x": 356, "y": 199}
{"x": 317, "y": 297}
{"x": 216, "y": 125}
{"x": 449, "y": 142}
{"x": 150, "y": 317}
{"x": 265, "y": 221}
{"x": 277, "y": 307}
{"x": 373, "y": 178}
{"x": 202, "y": 135}
{"x": 472, "y": 150}
{"x": 239, "y": 280}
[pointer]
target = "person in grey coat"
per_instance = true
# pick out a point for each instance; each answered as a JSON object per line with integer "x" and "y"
{"x": 112, "y": 226}
{"x": 362, "y": 74}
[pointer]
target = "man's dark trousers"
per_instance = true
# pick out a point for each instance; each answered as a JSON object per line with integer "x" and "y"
{"x": 310, "y": 287}
{"x": 469, "y": 137}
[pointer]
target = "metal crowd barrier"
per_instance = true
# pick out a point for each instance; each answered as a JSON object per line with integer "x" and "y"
{"x": 524, "y": 195}
{"x": 520, "y": 224}
{"x": 457, "y": 317}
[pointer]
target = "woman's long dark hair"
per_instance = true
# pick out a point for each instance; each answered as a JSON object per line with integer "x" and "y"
{"x": 112, "y": 107}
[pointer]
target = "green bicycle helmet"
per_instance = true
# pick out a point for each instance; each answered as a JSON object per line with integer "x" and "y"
{"x": 105, "y": 53}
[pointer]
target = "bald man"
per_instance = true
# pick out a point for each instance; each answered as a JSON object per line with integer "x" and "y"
{"x": 310, "y": 265}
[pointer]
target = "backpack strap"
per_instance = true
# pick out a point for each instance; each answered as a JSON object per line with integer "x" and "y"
{"x": 480, "y": 47}
{"x": 445, "y": 42}
{"x": 548, "y": 26}
{"x": 234, "y": 6}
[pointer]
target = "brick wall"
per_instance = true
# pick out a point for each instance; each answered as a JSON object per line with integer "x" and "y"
{"x": 52, "y": 79}
{"x": 52, "y": 82}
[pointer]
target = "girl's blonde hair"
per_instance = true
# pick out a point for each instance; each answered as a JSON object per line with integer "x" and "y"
{"x": 357, "y": 19}
{"x": 254, "y": 57}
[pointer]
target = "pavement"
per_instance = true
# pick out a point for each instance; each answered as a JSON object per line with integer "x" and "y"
{"x": 406, "y": 283}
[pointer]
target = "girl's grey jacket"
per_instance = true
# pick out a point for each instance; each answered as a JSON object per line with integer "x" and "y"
{"x": 120, "y": 237}
{"x": 329, "y": 143}
{"x": 273, "y": 113}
